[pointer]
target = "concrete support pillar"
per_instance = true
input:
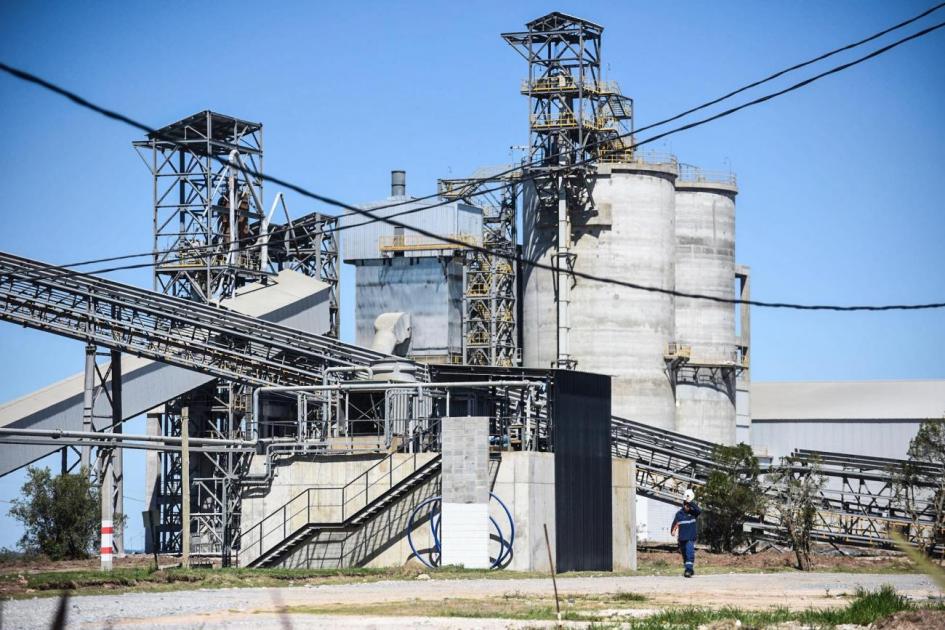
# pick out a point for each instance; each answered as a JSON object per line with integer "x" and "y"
{"x": 465, "y": 479}
{"x": 88, "y": 404}
{"x": 152, "y": 481}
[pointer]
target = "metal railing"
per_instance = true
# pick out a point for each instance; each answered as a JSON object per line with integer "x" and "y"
{"x": 693, "y": 174}
{"x": 331, "y": 506}
{"x": 417, "y": 242}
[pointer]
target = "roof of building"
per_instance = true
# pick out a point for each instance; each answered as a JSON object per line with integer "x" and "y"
{"x": 848, "y": 400}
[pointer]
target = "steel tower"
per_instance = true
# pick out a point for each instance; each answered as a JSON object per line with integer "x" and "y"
{"x": 575, "y": 119}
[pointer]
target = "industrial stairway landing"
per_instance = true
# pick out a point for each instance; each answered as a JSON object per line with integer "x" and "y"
{"x": 285, "y": 529}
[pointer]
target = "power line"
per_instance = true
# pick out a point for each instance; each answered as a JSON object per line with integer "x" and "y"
{"x": 798, "y": 66}
{"x": 495, "y": 177}
{"x": 81, "y": 101}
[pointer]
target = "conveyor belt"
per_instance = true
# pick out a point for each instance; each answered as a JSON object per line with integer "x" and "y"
{"x": 857, "y": 506}
{"x": 199, "y": 337}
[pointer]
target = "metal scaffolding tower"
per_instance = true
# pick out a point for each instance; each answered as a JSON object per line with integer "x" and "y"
{"x": 575, "y": 118}
{"x": 490, "y": 283}
{"x": 207, "y": 204}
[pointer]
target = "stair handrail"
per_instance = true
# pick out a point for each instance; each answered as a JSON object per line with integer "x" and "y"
{"x": 346, "y": 498}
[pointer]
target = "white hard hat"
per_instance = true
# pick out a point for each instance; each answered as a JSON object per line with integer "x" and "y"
{"x": 688, "y": 496}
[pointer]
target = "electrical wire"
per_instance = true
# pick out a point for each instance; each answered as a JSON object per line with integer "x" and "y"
{"x": 497, "y": 176}
{"x": 81, "y": 101}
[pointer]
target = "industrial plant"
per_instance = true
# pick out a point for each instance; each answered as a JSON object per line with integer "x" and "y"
{"x": 554, "y": 344}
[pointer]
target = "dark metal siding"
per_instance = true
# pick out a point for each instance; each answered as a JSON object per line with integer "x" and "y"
{"x": 583, "y": 506}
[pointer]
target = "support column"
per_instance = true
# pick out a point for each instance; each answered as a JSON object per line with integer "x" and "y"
{"x": 564, "y": 262}
{"x": 105, "y": 495}
{"x": 152, "y": 480}
{"x": 88, "y": 404}
{"x": 117, "y": 463}
{"x": 185, "y": 485}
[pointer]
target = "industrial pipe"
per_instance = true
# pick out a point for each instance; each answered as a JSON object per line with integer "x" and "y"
{"x": 120, "y": 437}
{"x": 377, "y": 386}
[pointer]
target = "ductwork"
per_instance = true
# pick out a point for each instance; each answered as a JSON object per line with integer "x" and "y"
{"x": 392, "y": 333}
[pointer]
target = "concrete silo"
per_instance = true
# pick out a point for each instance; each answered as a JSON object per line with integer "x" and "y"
{"x": 705, "y": 357}
{"x": 629, "y": 234}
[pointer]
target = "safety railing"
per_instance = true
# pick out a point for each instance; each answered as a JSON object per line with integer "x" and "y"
{"x": 417, "y": 242}
{"x": 564, "y": 82}
{"x": 328, "y": 505}
{"x": 694, "y": 174}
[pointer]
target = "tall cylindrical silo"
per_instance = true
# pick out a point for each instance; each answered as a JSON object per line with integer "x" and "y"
{"x": 615, "y": 330}
{"x": 705, "y": 330}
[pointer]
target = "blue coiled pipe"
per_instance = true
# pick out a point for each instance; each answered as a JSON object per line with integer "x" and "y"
{"x": 505, "y": 546}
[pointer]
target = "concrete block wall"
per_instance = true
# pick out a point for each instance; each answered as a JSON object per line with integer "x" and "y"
{"x": 465, "y": 478}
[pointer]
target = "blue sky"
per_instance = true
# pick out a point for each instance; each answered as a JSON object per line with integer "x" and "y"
{"x": 840, "y": 182}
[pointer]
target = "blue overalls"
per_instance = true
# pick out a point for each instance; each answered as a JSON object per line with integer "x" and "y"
{"x": 688, "y": 532}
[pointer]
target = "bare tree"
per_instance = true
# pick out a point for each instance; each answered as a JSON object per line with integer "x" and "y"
{"x": 920, "y": 487}
{"x": 798, "y": 491}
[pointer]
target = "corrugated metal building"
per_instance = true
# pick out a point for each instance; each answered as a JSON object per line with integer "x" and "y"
{"x": 400, "y": 270}
{"x": 877, "y": 418}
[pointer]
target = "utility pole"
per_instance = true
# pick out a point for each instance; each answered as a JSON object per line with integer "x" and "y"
{"x": 185, "y": 485}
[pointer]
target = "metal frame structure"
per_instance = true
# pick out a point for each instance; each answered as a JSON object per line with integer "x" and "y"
{"x": 207, "y": 198}
{"x": 309, "y": 245}
{"x": 575, "y": 119}
{"x": 490, "y": 280}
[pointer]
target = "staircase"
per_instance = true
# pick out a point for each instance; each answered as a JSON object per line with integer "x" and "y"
{"x": 366, "y": 496}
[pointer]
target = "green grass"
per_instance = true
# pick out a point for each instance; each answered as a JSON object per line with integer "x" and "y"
{"x": 866, "y": 608}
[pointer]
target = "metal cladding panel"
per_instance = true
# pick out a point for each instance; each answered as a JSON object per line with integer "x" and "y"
{"x": 429, "y": 289}
{"x": 583, "y": 470}
{"x": 876, "y": 438}
{"x": 362, "y": 242}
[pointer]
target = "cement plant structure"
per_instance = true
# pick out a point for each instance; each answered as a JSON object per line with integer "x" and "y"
{"x": 493, "y": 386}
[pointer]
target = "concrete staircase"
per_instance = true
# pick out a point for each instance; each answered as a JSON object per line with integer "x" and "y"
{"x": 264, "y": 546}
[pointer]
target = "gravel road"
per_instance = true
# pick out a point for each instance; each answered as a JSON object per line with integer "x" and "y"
{"x": 258, "y": 608}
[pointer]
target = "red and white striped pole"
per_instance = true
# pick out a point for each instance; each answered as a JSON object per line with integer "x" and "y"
{"x": 105, "y": 490}
{"x": 107, "y": 534}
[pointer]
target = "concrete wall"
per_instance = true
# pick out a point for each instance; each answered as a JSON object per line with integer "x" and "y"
{"x": 705, "y": 264}
{"x": 524, "y": 481}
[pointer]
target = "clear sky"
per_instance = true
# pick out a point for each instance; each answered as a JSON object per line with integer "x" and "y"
{"x": 840, "y": 183}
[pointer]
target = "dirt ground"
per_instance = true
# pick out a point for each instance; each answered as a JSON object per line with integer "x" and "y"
{"x": 771, "y": 560}
{"x": 648, "y": 560}
{"x": 37, "y": 564}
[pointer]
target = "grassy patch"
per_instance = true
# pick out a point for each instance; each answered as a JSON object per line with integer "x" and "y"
{"x": 866, "y": 608}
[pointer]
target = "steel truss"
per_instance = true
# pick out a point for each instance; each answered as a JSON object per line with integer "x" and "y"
{"x": 207, "y": 204}
{"x": 490, "y": 280}
{"x": 199, "y": 337}
{"x": 309, "y": 245}
{"x": 575, "y": 119}
{"x": 857, "y": 506}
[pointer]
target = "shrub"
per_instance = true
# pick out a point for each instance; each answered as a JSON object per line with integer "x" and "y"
{"x": 729, "y": 497}
{"x": 60, "y": 515}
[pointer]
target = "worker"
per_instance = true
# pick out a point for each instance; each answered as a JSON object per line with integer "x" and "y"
{"x": 686, "y": 530}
